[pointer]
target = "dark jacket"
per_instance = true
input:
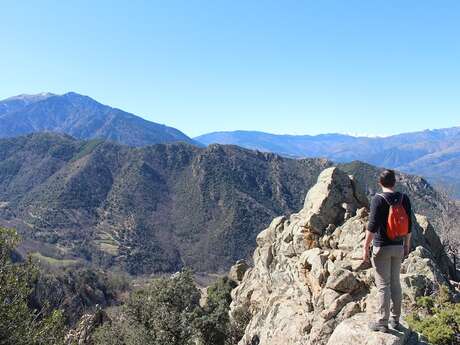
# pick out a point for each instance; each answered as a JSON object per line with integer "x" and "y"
{"x": 379, "y": 216}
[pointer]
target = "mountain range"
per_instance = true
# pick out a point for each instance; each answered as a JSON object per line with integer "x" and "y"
{"x": 157, "y": 208}
{"x": 434, "y": 154}
{"x": 81, "y": 117}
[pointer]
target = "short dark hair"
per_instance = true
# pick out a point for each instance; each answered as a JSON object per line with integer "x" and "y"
{"x": 387, "y": 178}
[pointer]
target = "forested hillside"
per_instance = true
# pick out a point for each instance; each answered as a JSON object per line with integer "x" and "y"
{"x": 158, "y": 208}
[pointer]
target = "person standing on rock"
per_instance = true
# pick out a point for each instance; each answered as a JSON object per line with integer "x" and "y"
{"x": 389, "y": 230}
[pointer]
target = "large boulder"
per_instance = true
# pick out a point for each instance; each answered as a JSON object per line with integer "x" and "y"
{"x": 238, "y": 270}
{"x": 355, "y": 330}
{"x": 434, "y": 244}
{"x": 343, "y": 281}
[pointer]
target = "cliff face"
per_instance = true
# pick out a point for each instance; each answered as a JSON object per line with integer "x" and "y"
{"x": 308, "y": 286}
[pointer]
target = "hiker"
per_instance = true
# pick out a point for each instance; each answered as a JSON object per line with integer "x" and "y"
{"x": 389, "y": 230}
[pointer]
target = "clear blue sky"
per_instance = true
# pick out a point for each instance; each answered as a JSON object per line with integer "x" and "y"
{"x": 299, "y": 67}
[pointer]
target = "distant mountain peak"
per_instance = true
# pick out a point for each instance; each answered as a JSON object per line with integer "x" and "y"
{"x": 81, "y": 117}
{"x": 72, "y": 94}
{"x": 21, "y": 101}
{"x": 30, "y": 97}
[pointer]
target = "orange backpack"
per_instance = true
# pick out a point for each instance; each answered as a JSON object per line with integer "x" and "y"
{"x": 398, "y": 220}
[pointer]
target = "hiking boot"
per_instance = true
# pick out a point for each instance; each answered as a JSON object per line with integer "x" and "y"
{"x": 396, "y": 325}
{"x": 374, "y": 326}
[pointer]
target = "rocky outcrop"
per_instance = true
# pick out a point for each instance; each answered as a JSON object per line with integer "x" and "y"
{"x": 308, "y": 285}
{"x": 81, "y": 335}
{"x": 238, "y": 270}
{"x": 434, "y": 243}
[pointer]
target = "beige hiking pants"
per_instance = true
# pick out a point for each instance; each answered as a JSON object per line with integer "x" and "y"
{"x": 387, "y": 264}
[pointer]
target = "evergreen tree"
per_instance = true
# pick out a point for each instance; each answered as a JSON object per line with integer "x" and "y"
{"x": 19, "y": 324}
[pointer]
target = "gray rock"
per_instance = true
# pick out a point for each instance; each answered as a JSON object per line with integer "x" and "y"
{"x": 435, "y": 245}
{"x": 355, "y": 330}
{"x": 84, "y": 330}
{"x": 326, "y": 199}
{"x": 336, "y": 306}
{"x": 238, "y": 270}
{"x": 344, "y": 281}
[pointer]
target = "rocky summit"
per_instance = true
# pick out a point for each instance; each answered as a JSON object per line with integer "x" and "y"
{"x": 308, "y": 285}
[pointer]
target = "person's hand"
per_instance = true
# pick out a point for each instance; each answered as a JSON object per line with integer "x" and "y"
{"x": 366, "y": 255}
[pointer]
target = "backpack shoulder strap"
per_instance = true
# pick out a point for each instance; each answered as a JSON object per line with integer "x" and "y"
{"x": 384, "y": 198}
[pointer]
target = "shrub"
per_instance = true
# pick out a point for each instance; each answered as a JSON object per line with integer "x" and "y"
{"x": 161, "y": 313}
{"x": 437, "y": 319}
{"x": 214, "y": 321}
{"x": 168, "y": 312}
{"x": 121, "y": 332}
